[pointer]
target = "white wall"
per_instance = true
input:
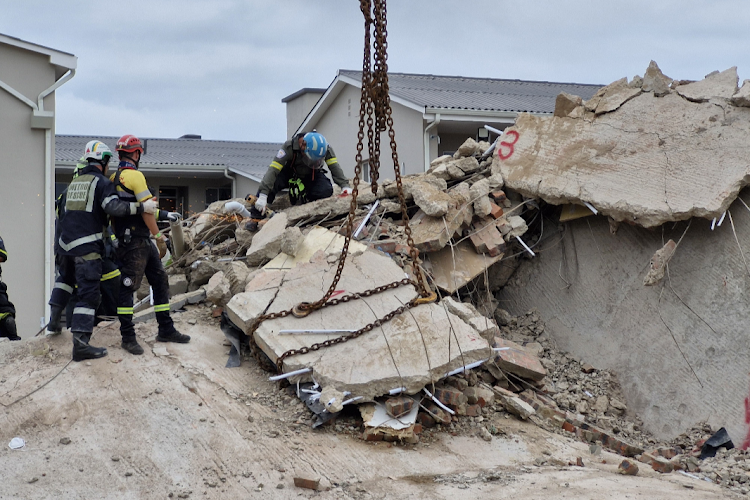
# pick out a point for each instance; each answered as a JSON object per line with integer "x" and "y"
{"x": 298, "y": 109}
{"x": 22, "y": 182}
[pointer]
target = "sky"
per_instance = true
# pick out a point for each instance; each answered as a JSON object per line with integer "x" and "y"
{"x": 220, "y": 68}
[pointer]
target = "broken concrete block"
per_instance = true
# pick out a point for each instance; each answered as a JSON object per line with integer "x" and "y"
{"x": 291, "y": 240}
{"x": 317, "y": 239}
{"x": 218, "y": 289}
{"x": 480, "y": 396}
{"x": 236, "y": 273}
{"x": 565, "y": 103}
{"x": 466, "y": 165}
{"x": 480, "y": 191}
{"x": 432, "y": 201}
{"x": 742, "y": 97}
{"x": 659, "y": 262}
{"x": 416, "y": 350}
{"x": 496, "y": 181}
{"x": 517, "y": 360}
{"x": 245, "y": 308}
{"x": 470, "y": 147}
{"x": 518, "y": 407}
{"x": 486, "y": 238}
{"x": 440, "y": 171}
{"x": 433, "y": 233}
{"x": 200, "y": 272}
{"x": 178, "y": 283}
{"x": 655, "y": 81}
{"x": 518, "y": 227}
{"x": 175, "y": 303}
{"x": 486, "y": 327}
{"x": 636, "y": 82}
{"x": 454, "y": 267}
{"x": 723, "y": 85}
{"x": 617, "y": 94}
{"x": 440, "y": 160}
{"x": 267, "y": 242}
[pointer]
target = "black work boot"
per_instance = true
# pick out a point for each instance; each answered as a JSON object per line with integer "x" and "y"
{"x": 11, "y": 329}
{"x": 55, "y": 327}
{"x": 82, "y": 350}
{"x": 172, "y": 335}
{"x": 132, "y": 346}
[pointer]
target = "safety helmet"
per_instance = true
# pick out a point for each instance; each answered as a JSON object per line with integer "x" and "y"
{"x": 316, "y": 146}
{"x": 3, "y": 252}
{"x": 97, "y": 150}
{"x": 129, "y": 143}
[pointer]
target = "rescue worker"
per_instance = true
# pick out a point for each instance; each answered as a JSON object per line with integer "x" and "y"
{"x": 7, "y": 309}
{"x": 300, "y": 167}
{"x": 110, "y": 282}
{"x": 136, "y": 253}
{"x": 90, "y": 198}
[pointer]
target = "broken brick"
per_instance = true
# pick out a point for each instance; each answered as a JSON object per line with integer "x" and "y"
{"x": 450, "y": 396}
{"x": 662, "y": 465}
{"x": 628, "y": 468}
{"x": 480, "y": 396}
{"x": 496, "y": 211}
{"x": 498, "y": 196}
{"x": 473, "y": 411}
{"x": 399, "y": 405}
{"x": 309, "y": 483}
{"x": 518, "y": 361}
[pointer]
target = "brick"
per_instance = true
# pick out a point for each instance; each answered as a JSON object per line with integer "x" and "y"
{"x": 486, "y": 238}
{"x": 579, "y": 461}
{"x": 498, "y": 196}
{"x": 627, "y": 467}
{"x": 437, "y": 413}
{"x": 385, "y": 246}
{"x": 425, "y": 420}
{"x": 310, "y": 483}
{"x": 496, "y": 211}
{"x": 666, "y": 452}
{"x": 399, "y": 405}
{"x": 372, "y": 434}
{"x": 587, "y": 368}
{"x": 459, "y": 383}
{"x": 662, "y": 465}
{"x": 480, "y": 396}
{"x": 567, "y": 426}
{"x": 473, "y": 411}
{"x": 518, "y": 361}
{"x": 450, "y": 396}
{"x": 417, "y": 428}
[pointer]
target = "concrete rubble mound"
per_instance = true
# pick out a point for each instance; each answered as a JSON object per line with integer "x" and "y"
{"x": 648, "y": 151}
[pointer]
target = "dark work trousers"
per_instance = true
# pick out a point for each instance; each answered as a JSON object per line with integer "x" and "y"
{"x": 315, "y": 188}
{"x": 138, "y": 258}
{"x": 8, "y": 327}
{"x": 110, "y": 290}
{"x": 86, "y": 272}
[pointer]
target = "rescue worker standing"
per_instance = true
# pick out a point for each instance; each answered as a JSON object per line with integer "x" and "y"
{"x": 90, "y": 198}
{"x": 136, "y": 253}
{"x": 300, "y": 167}
{"x": 7, "y": 309}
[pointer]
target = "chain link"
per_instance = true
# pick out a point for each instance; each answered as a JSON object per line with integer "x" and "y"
{"x": 375, "y": 112}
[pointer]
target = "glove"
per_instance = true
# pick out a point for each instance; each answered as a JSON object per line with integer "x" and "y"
{"x": 260, "y": 204}
{"x": 346, "y": 191}
{"x": 150, "y": 206}
{"x": 161, "y": 244}
{"x": 174, "y": 216}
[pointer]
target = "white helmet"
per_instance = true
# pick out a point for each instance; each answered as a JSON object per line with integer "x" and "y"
{"x": 97, "y": 150}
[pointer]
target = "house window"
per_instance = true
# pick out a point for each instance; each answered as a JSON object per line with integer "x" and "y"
{"x": 216, "y": 194}
{"x": 59, "y": 188}
{"x": 172, "y": 198}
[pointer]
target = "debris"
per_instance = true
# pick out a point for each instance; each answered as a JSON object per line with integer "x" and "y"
{"x": 65, "y": 440}
{"x": 307, "y": 482}
{"x": 218, "y": 289}
{"x": 517, "y": 360}
{"x": 267, "y": 242}
{"x": 454, "y": 267}
{"x": 628, "y": 468}
{"x": 720, "y": 439}
{"x": 659, "y": 263}
{"x": 17, "y": 443}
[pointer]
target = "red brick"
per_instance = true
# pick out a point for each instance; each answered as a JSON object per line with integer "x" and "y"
{"x": 307, "y": 482}
{"x": 486, "y": 238}
{"x": 518, "y": 361}
{"x": 473, "y": 410}
{"x": 496, "y": 211}
{"x": 417, "y": 428}
{"x": 385, "y": 246}
{"x": 665, "y": 452}
{"x": 628, "y": 468}
{"x": 498, "y": 196}
{"x": 372, "y": 434}
{"x": 217, "y": 312}
{"x": 450, "y": 396}
{"x": 440, "y": 416}
{"x": 568, "y": 427}
{"x": 399, "y": 405}
{"x": 661, "y": 464}
{"x": 579, "y": 461}
{"x": 425, "y": 419}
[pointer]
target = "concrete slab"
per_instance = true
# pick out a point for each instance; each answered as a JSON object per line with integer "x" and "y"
{"x": 267, "y": 242}
{"x": 453, "y": 268}
{"x": 409, "y": 351}
{"x": 723, "y": 85}
{"x": 319, "y": 238}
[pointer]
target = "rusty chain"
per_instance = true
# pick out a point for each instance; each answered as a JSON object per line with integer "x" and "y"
{"x": 375, "y": 112}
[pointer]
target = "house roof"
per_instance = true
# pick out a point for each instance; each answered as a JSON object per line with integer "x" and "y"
{"x": 249, "y": 159}
{"x": 490, "y": 94}
{"x": 56, "y": 57}
{"x": 301, "y": 92}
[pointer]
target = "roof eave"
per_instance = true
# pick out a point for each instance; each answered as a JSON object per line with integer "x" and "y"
{"x": 56, "y": 57}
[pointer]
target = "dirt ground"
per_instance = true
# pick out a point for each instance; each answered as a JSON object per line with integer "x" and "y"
{"x": 183, "y": 426}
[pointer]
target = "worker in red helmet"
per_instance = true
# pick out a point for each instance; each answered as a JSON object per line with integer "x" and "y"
{"x": 137, "y": 254}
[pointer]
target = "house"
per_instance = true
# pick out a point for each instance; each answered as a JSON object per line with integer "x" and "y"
{"x": 29, "y": 76}
{"x": 188, "y": 173}
{"x": 433, "y": 115}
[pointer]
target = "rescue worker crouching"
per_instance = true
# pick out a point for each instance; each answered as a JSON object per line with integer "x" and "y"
{"x": 90, "y": 198}
{"x": 7, "y": 309}
{"x": 136, "y": 253}
{"x": 300, "y": 167}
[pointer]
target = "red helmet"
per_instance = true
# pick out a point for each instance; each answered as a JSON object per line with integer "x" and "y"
{"x": 129, "y": 143}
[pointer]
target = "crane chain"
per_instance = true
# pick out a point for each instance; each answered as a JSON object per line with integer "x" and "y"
{"x": 375, "y": 112}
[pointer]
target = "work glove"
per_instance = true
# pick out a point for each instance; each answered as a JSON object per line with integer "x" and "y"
{"x": 150, "y": 206}
{"x": 261, "y": 202}
{"x": 161, "y": 244}
{"x": 174, "y": 216}
{"x": 346, "y": 191}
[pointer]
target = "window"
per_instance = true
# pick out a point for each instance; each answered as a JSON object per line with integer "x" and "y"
{"x": 172, "y": 198}
{"x": 216, "y": 194}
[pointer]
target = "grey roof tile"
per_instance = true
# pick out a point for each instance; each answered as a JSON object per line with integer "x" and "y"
{"x": 456, "y": 92}
{"x": 251, "y": 158}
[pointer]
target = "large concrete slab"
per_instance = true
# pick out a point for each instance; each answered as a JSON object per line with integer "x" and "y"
{"x": 652, "y": 160}
{"x": 411, "y": 350}
{"x": 589, "y": 290}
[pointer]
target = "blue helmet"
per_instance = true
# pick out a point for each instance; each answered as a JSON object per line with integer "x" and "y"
{"x": 316, "y": 146}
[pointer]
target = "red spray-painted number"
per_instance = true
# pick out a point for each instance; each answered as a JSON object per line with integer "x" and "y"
{"x": 507, "y": 146}
{"x": 746, "y": 442}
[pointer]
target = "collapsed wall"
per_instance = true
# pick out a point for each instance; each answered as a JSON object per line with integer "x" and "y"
{"x": 678, "y": 348}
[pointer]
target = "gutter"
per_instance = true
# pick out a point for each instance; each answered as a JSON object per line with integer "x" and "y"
{"x": 234, "y": 184}
{"x": 45, "y": 120}
{"x": 426, "y": 140}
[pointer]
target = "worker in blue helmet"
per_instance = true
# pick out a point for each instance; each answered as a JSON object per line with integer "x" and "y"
{"x": 300, "y": 166}
{"x": 7, "y": 309}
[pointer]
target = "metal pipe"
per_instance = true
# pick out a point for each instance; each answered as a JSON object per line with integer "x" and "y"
{"x": 290, "y": 374}
{"x": 314, "y": 332}
{"x": 525, "y": 246}
{"x": 397, "y": 390}
{"x": 367, "y": 217}
{"x": 441, "y": 405}
{"x": 493, "y": 129}
{"x": 234, "y": 182}
{"x": 178, "y": 238}
{"x": 467, "y": 367}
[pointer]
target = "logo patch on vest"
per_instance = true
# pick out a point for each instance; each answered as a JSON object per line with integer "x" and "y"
{"x": 280, "y": 154}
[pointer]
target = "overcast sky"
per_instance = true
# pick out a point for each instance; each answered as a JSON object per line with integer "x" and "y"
{"x": 219, "y": 68}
